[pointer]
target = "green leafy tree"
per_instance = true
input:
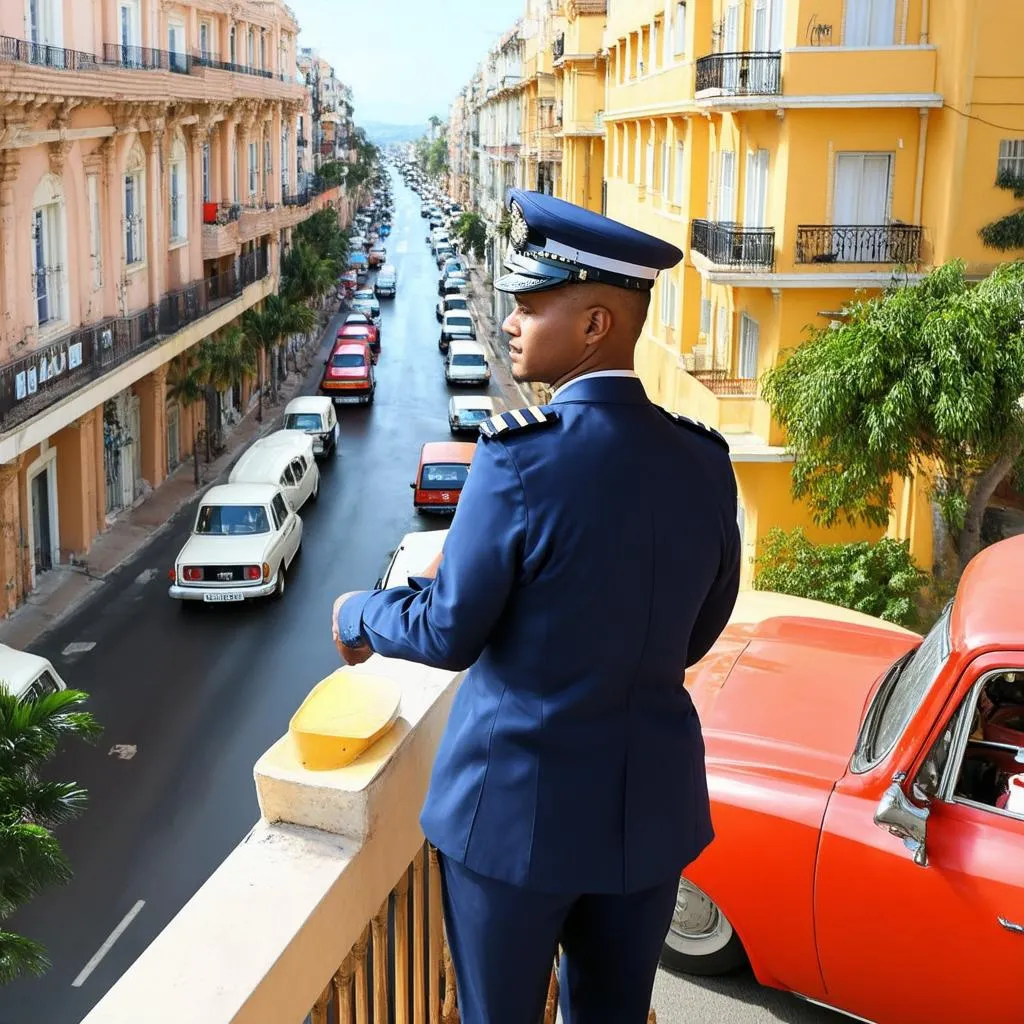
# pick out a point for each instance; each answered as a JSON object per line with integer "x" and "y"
{"x": 879, "y": 579}
{"x": 31, "y": 859}
{"x": 225, "y": 358}
{"x": 1008, "y": 232}
{"x": 925, "y": 378}
{"x": 280, "y": 317}
{"x": 472, "y": 233}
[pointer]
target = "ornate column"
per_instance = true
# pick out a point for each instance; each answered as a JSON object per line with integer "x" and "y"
{"x": 274, "y": 188}
{"x": 195, "y": 136}
{"x": 156, "y": 210}
{"x": 10, "y": 328}
{"x": 152, "y": 390}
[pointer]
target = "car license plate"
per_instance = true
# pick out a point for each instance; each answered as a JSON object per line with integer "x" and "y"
{"x": 318, "y": 446}
{"x": 349, "y": 399}
{"x": 224, "y": 595}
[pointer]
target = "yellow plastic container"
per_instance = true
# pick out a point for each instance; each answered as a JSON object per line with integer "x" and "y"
{"x": 343, "y": 716}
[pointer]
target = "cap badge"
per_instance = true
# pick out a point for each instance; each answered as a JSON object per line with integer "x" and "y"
{"x": 519, "y": 230}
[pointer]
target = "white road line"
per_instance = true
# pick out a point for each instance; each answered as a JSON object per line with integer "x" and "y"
{"x": 106, "y": 947}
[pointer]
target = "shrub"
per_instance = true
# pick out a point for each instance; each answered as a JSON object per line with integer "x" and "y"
{"x": 879, "y": 579}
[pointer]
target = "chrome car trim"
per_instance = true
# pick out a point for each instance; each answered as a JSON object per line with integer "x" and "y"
{"x": 1011, "y": 926}
{"x": 835, "y": 1009}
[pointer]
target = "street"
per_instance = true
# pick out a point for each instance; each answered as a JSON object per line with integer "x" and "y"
{"x": 189, "y": 702}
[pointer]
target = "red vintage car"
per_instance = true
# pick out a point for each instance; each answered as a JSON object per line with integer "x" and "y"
{"x": 867, "y": 792}
{"x": 361, "y": 332}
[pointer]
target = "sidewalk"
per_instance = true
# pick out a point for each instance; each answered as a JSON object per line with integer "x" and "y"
{"x": 65, "y": 588}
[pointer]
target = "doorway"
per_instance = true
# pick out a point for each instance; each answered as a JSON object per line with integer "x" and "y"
{"x": 42, "y": 539}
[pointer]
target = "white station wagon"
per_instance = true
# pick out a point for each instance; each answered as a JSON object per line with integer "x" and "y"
{"x": 244, "y": 540}
{"x": 285, "y": 458}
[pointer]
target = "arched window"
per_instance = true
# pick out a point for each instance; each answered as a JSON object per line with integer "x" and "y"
{"x": 252, "y": 48}
{"x": 177, "y": 190}
{"x": 49, "y": 263}
{"x": 135, "y": 206}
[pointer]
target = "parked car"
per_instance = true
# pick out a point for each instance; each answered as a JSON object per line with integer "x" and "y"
{"x": 454, "y": 263}
{"x": 378, "y": 256}
{"x": 885, "y": 804}
{"x": 456, "y": 277}
{"x": 364, "y": 301}
{"x": 243, "y": 541}
{"x": 348, "y": 372}
{"x": 455, "y": 301}
{"x": 387, "y": 282}
{"x": 361, "y": 333}
{"x": 285, "y": 458}
{"x": 442, "y": 253}
{"x": 30, "y": 677}
{"x": 466, "y": 363}
{"x": 414, "y": 554}
{"x": 456, "y": 324}
{"x": 467, "y": 412}
{"x": 316, "y": 416}
{"x": 442, "y": 472}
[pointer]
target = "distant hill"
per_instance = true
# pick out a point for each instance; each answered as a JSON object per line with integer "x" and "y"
{"x": 381, "y": 134}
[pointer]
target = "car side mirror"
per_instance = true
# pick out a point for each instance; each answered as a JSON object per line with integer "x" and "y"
{"x": 905, "y": 821}
{"x": 413, "y": 486}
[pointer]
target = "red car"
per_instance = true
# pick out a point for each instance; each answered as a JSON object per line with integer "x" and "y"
{"x": 361, "y": 332}
{"x": 348, "y": 373}
{"x": 867, "y": 791}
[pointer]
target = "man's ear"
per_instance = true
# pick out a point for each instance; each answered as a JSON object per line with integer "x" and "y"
{"x": 599, "y": 323}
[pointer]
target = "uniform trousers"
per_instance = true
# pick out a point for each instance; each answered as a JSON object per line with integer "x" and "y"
{"x": 503, "y": 940}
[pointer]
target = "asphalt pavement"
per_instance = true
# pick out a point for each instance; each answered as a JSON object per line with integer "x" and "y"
{"x": 189, "y": 701}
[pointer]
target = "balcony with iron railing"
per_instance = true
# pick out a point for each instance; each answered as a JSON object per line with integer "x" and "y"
{"x": 60, "y": 58}
{"x": 329, "y": 911}
{"x": 86, "y": 353}
{"x": 750, "y": 74}
{"x": 732, "y": 246}
{"x": 723, "y": 384}
{"x": 895, "y": 244}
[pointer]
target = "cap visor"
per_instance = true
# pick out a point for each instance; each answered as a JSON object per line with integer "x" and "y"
{"x": 517, "y": 283}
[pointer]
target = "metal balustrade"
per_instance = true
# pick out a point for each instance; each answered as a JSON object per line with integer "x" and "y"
{"x": 146, "y": 58}
{"x": 729, "y": 245}
{"x": 720, "y": 383}
{"x": 34, "y": 382}
{"x": 221, "y": 213}
{"x": 740, "y": 74}
{"x": 59, "y": 58}
{"x": 898, "y": 244}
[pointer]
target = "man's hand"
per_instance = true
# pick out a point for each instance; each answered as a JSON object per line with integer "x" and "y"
{"x": 431, "y": 570}
{"x": 350, "y": 655}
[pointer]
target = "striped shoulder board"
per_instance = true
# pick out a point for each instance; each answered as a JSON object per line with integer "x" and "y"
{"x": 697, "y": 427}
{"x": 514, "y": 421}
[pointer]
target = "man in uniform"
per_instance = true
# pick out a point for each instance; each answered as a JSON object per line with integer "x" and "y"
{"x": 594, "y": 556}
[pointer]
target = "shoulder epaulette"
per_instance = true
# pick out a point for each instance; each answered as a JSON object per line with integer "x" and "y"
{"x": 505, "y": 423}
{"x": 697, "y": 427}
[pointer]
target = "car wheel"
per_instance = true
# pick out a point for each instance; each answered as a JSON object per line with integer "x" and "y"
{"x": 279, "y": 589}
{"x": 700, "y": 939}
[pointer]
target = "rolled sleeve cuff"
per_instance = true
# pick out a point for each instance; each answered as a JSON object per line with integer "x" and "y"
{"x": 350, "y": 620}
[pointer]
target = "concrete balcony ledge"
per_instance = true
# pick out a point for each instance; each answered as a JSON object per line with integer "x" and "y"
{"x": 284, "y": 924}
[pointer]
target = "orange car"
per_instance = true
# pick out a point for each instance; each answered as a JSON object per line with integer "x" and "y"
{"x": 443, "y": 469}
{"x": 867, "y": 792}
{"x": 348, "y": 372}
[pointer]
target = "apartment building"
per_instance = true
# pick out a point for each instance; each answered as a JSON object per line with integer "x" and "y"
{"x": 148, "y": 170}
{"x": 541, "y": 149}
{"x": 330, "y": 124}
{"x": 801, "y": 153}
{"x": 578, "y": 65}
{"x": 460, "y": 148}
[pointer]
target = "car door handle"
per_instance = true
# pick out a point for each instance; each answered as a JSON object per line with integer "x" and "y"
{"x": 1011, "y": 926}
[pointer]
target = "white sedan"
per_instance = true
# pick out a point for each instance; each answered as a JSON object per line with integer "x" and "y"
{"x": 244, "y": 540}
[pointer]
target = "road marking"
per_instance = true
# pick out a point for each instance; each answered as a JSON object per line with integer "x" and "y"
{"x": 402, "y": 247}
{"x": 79, "y": 647}
{"x": 106, "y": 947}
{"x": 125, "y": 751}
{"x": 146, "y": 575}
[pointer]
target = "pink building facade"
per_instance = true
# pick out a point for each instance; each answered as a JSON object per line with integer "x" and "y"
{"x": 148, "y": 182}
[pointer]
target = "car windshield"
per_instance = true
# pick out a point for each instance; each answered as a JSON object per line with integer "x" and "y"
{"x": 363, "y": 297}
{"x": 347, "y": 359}
{"x": 456, "y": 304}
{"x": 467, "y": 359}
{"x": 232, "y": 520}
{"x": 459, "y": 321}
{"x": 444, "y": 475}
{"x": 303, "y": 421}
{"x": 906, "y": 685}
{"x": 473, "y": 415}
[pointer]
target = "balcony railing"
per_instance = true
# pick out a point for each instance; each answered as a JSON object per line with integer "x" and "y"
{"x": 720, "y": 383}
{"x": 305, "y": 195}
{"x": 558, "y": 47}
{"x": 212, "y": 60}
{"x": 221, "y": 213}
{"x": 36, "y": 381}
{"x": 44, "y": 55}
{"x": 858, "y": 243}
{"x": 145, "y": 58}
{"x": 740, "y": 74}
{"x": 301, "y": 141}
{"x": 729, "y": 245}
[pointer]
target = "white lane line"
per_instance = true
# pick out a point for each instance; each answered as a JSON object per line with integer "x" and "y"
{"x": 106, "y": 947}
{"x": 78, "y": 647}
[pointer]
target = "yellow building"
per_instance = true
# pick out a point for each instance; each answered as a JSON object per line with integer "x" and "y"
{"x": 540, "y": 151}
{"x": 800, "y": 152}
{"x": 579, "y": 71}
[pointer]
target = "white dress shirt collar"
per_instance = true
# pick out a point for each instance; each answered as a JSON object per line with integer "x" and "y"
{"x": 589, "y": 376}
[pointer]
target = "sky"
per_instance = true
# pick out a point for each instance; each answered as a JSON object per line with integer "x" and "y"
{"x": 405, "y": 59}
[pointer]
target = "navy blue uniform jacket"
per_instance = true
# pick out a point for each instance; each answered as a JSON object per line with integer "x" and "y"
{"x": 592, "y": 558}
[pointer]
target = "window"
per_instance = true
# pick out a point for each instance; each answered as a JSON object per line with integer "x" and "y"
{"x": 92, "y": 189}
{"x": 44, "y": 26}
{"x": 750, "y": 336}
{"x": 47, "y": 264}
{"x": 176, "y": 46}
{"x": 232, "y": 520}
{"x": 655, "y": 54}
{"x": 267, "y": 166}
{"x": 869, "y": 23}
{"x": 206, "y": 171}
{"x": 177, "y": 192}
{"x": 1011, "y": 159}
{"x": 727, "y": 185}
{"x": 756, "y": 197}
{"x": 668, "y": 300}
{"x": 680, "y": 167}
{"x": 253, "y": 170}
{"x": 768, "y": 16}
{"x": 679, "y": 29}
{"x": 705, "y": 316}
{"x": 263, "y": 48}
{"x": 232, "y": 45}
{"x": 134, "y": 242}
{"x": 234, "y": 174}
{"x": 252, "y": 48}
{"x": 204, "y": 39}
{"x": 129, "y": 28}
{"x": 42, "y": 686}
{"x": 723, "y": 337}
{"x": 664, "y": 169}
{"x": 649, "y": 165}
{"x": 280, "y": 509}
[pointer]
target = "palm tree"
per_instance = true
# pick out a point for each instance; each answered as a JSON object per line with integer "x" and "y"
{"x": 31, "y": 731}
{"x": 260, "y": 330}
{"x": 228, "y": 357}
{"x": 298, "y": 318}
{"x": 186, "y": 385}
{"x": 280, "y": 317}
